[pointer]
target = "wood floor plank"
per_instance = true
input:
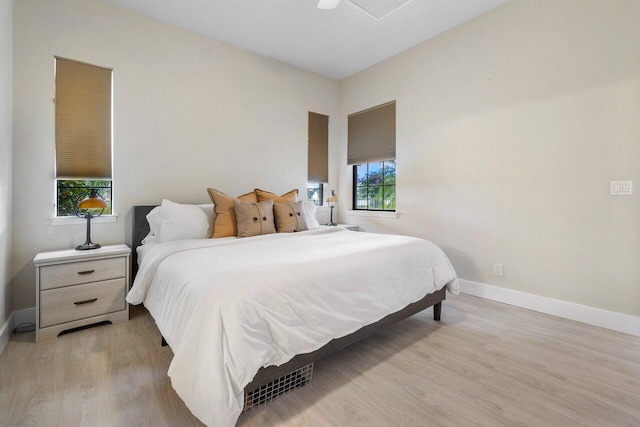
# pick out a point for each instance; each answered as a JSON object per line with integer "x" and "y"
{"x": 484, "y": 364}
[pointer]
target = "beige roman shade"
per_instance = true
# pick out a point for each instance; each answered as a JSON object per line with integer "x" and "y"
{"x": 372, "y": 135}
{"x": 83, "y": 120}
{"x": 318, "y": 157}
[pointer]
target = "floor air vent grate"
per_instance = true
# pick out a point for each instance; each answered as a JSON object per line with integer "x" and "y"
{"x": 270, "y": 391}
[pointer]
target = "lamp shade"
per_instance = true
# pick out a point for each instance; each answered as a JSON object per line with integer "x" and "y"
{"x": 94, "y": 201}
{"x": 333, "y": 198}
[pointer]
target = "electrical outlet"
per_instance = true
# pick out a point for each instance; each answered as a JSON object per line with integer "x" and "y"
{"x": 497, "y": 269}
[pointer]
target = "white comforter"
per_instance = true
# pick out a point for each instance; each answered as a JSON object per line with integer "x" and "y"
{"x": 228, "y": 307}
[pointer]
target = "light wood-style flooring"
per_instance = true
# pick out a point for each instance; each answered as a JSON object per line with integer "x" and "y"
{"x": 484, "y": 364}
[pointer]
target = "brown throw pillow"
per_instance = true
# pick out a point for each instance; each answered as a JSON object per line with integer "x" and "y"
{"x": 224, "y": 225}
{"x": 254, "y": 219}
{"x": 291, "y": 196}
{"x": 289, "y": 217}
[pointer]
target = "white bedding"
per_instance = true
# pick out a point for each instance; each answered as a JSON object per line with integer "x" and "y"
{"x": 228, "y": 307}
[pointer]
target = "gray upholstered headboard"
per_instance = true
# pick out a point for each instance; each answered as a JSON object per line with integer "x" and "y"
{"x": 139, "y": 231}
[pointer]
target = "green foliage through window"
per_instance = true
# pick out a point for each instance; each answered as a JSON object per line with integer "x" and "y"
{"x": 71, "y": 191}
{"x": 375, "y": 186}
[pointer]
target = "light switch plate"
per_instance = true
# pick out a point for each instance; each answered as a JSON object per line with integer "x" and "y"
{"x": 621, "y": 188}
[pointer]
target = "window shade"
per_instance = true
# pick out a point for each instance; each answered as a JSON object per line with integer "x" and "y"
{"x": 83, "y": 120}
{"x": 372, "y": 135}
{"x": 318, "y": 166}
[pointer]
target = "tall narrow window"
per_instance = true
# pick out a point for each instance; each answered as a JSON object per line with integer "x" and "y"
{"x": 83, "y": 133}
{"x": 372, "y": 152}
{"x": 318, "y": 157}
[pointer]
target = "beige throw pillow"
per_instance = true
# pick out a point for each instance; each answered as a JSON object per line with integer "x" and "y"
{"x": 224, "y": 225}
{"x": 289, "y": 217}
{"x": 254, "y": 219}
{"x": 291, "y": 196}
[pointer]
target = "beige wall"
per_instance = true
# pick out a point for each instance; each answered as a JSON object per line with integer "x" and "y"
{"x": 509, "y": 130}
{"x": 189, "y": 112}
{"x": 6, "y": 142}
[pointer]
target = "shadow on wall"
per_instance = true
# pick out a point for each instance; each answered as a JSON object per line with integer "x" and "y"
{"x": 7, "y": 302}
{"x": 462, "y": 263}
{"x": 24, "y": 284}
{"x": 128, "y": 227}
{"x": 5, "y": 264}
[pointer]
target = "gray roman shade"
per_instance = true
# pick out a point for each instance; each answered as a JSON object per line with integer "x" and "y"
{"x": 372, "y": 135}
{"x": 318, "y": 157}
{"x": 83, "y": 120}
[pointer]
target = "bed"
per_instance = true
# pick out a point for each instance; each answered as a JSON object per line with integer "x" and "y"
{"x": 244, "y": 314}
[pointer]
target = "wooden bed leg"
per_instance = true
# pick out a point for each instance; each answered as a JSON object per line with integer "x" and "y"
{"x": 163, "y": 343}
{"x": 437, "y": 309}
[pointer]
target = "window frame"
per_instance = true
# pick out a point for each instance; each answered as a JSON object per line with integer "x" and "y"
{"x": 320, "y": 187}
{"x": 86, "y": 189}
{"x": 354, "y": 188}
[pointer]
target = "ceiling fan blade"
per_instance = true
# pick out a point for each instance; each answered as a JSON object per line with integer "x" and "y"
{"x": 328, "y": 4}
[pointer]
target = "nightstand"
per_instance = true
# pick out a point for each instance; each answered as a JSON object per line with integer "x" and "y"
{"x": 78, "y": 288}
{"x": 350, "y": 227}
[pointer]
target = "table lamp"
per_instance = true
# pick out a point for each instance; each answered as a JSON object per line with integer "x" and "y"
{"x": 332, "y": 201}
{"x": 90, "y": 207}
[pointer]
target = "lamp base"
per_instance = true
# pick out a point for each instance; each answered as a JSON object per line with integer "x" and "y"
{"x": 88, "y": 246}
{"x": 331, "y": 206}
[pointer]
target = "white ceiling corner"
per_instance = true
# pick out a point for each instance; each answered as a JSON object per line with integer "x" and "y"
{"x": 336, "y": 43}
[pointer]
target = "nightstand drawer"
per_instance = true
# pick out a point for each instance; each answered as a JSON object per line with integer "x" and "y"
{"x": 81, "y": 301}
{"x": 75, "y": 273}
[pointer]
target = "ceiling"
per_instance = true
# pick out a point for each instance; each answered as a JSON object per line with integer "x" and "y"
{"x": 336, "y": 43}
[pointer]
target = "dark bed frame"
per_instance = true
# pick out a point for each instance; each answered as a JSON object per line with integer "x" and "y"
{"x": 272, "y": 373}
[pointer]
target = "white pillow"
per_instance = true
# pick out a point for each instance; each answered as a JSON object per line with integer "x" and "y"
{"x": 310, "y": 215}
{"x": 175, "y": 221}
{"x": 154, "y": 218}
{"x": 209, "y": 212}
{"x": 150, "y": 239}
{"x": 182, "y": 222}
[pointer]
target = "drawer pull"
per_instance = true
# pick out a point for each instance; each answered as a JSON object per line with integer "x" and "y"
{"x": 86, "y": 272}
{"x": 87, "y": 301}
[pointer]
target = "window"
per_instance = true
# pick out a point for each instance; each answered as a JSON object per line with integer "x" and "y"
{"x": 83, "y": 133}
{"x": 71, "y": 191}
{"x": 371, "y": 150}
{"x": 318, "y": 157}
{"x": 375, "y": 186}
{"x": 315, "y": 193}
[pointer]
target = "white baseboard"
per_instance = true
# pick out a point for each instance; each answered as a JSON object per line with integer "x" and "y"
{"x": 28, "y": 315}
{"x": 6, "y": 331}
{"x": 625, "y": 323}
{"x": 619, "y": 322}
